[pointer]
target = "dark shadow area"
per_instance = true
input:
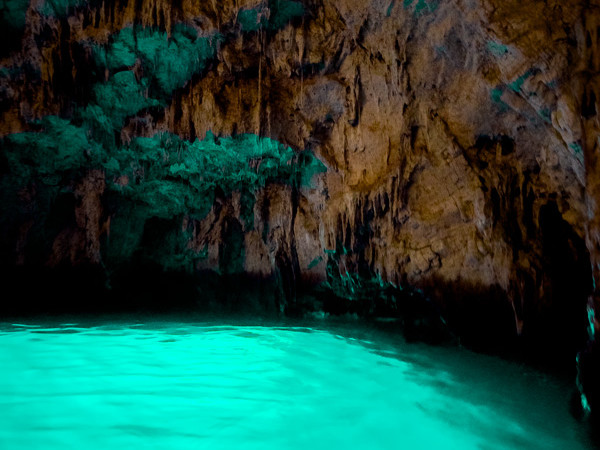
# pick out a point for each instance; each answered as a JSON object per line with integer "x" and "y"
{"x": 29, "y": 291}
{"x": 146, "y": 288}
{"x": 558, "y": 324}
{"x": 484, "y": 320}
{"x": 481, "y": 316}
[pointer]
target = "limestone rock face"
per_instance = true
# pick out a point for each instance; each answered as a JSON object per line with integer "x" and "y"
{"x": 461, "y": 141}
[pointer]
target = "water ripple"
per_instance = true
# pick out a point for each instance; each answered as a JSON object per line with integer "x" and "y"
{"x": 207, "y": 385}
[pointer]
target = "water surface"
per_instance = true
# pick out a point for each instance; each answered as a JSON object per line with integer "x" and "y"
{"x": 141, "y": 384}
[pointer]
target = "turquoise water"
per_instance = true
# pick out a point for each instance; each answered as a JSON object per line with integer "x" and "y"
{"x": 140, "y": 384}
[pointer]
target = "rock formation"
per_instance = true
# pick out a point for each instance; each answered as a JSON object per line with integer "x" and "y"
{"x": 450, "y": 147}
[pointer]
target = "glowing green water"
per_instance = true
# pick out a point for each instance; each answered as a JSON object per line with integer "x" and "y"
{"x": 179, "y": 385}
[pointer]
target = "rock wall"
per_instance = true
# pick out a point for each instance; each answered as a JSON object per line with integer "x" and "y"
{"x": 449, "y": 146}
